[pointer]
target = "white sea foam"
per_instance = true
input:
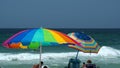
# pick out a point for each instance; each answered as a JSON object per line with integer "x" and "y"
{"x": 109, "y": 52}
{"x": 15, "y": 57}
{"x": 105, "y": 53}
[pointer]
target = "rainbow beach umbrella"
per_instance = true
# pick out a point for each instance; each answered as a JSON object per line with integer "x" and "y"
{"x": 89, "y": 45}
{"x": 38, "y": 37}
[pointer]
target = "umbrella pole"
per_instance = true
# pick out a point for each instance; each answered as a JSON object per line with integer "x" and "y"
{"x": 40, "y": 56}
{"x": 90, "y": 52}
{"x": 77, "y": 54}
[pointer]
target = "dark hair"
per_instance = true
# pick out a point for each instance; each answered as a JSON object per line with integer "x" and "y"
{"x": 89, "y": 61}
{"x": 83, "y": 62}
{"x": 41, "y": 62}
{"x": 45, "y": 67}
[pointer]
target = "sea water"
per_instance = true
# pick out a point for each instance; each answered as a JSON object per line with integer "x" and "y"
{"x": 58, "y": 56}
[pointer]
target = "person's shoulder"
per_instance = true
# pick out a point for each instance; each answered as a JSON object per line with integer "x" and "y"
{"x": 35, "y": 65}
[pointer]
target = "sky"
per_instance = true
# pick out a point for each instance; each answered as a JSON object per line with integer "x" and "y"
{"x": 60, "y": 13}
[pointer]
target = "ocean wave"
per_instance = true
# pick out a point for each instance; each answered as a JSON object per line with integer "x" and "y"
{"x": 105, "y": 53}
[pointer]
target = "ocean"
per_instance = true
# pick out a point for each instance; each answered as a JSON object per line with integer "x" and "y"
{"x": 58, "y": 56}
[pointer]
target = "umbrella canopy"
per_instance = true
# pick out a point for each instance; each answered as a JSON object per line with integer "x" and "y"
{"x": 89, "y": 45}
{"x": 38, "y": 37}
{"x": 33, "y": 38}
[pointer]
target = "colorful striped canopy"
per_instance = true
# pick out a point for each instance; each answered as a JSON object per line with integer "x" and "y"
{"x": 89, "y": 45}
{"x": 33, "y": 38}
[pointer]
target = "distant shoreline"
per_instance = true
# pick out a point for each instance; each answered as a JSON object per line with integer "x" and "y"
{"x": 7, "y": 30}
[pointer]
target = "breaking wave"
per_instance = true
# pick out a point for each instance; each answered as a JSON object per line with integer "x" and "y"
{"x": 105, "y": 53}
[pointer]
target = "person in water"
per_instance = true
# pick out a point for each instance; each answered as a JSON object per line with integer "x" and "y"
{"x": 84, "y": 65}
{"x": 42, "y": 66}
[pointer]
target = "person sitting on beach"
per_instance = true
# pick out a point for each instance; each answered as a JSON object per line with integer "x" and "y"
{"x": 42, "y": 66}
{"x": 84, "y": 65}
{"x": 45, "y": 66}
{"x": 36, "y": 66}
{"x": 90, "y": 65}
